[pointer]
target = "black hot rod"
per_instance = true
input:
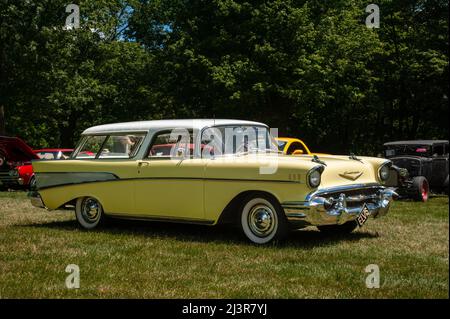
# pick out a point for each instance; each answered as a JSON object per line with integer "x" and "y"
{"x": 418, "y": 167}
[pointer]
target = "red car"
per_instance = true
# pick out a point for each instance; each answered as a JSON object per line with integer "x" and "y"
{"x": 16, "y": 170}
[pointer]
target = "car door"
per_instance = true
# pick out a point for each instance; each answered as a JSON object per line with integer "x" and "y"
{"x": 170, "y": 180}
{"x": 439, "y": 166}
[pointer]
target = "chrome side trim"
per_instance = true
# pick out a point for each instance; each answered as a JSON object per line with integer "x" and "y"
{"x": 47, "y": 180}
{"x": 166, "y": 219}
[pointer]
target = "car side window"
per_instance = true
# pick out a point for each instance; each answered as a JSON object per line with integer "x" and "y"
{"x": 438, "y": 150}
{"x": 91, "y": 147}
{"x": 296, "y": 146}
{"x": 177, "y": 143}
{"x": 121, "y": 146}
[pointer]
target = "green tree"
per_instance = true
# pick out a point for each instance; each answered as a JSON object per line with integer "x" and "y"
{"x": 56, "y": 82}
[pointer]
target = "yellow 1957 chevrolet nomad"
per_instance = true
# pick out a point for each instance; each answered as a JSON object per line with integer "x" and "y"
{"x": 210, "y": 172}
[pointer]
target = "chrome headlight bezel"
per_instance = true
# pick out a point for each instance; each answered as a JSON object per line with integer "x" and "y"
{"x": 384, "y": 172}
{"x": 314, "y": 176}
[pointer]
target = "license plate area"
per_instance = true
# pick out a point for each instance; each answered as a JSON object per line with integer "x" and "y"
{"x": 363, "y": 215}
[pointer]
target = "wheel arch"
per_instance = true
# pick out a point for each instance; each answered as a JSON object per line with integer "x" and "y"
{"x": 230, "y": 214}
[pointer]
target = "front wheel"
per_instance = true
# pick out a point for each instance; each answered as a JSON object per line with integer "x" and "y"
{"x": 343, "y": 229}
{"x": 89, "y": 212}
{"x": 262, "y": 219}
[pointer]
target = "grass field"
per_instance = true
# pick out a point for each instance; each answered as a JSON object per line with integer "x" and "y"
{"x": 159, "y": 260}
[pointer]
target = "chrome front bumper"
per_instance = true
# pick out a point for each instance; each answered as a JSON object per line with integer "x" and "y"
{"x": 36, "y": 199}
{"x": 338, "y": 205}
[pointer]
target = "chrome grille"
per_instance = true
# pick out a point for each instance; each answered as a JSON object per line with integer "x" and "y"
{"x": 354, "y": 196}
{"x": 5, "y": 178}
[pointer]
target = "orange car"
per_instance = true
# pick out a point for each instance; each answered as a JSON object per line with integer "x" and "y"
{"x": 294, "y": 146}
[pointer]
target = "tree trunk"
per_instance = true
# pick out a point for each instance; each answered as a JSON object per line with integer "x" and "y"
{"x": 2, "y": 120}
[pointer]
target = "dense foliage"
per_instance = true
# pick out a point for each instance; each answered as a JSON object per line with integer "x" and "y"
{"x": 311, "y": 68}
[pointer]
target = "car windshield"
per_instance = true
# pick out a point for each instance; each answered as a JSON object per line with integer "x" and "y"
{"x": 413, "y": 150}
{"x": 227, "y": 140}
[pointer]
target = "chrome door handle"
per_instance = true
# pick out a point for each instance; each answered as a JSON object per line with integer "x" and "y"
{"x": 143, "y": 163}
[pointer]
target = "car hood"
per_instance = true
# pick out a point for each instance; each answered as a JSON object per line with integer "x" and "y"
{"x": 337, "y": 170}
{"x": 345, "y": 170}
{"x": 15, "y": 150}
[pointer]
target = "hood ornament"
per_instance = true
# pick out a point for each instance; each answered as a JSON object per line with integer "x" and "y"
{"x": 353, "y": 157}
{"x": 351, "y": 175}
{"x": 316, "y": 159}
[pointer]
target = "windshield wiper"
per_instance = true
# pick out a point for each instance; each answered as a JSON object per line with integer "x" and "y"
{"x": 316, "y": 159}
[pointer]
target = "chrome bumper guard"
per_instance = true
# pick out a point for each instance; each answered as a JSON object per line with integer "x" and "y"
{"x": 338, "y": 205}
{"x": 36, "y": 200}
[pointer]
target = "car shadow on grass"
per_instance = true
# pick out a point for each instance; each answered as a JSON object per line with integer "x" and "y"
{"x": 305, "y": 238}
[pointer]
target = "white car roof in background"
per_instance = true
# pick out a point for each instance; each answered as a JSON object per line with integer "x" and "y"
{"x": 144, "y": 126}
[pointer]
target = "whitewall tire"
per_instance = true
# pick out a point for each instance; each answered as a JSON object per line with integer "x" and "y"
{"x": 89, "y": 212}
{"x": 262, "y": 220}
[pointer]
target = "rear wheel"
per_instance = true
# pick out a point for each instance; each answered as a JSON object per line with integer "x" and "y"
{"x": 346, "y": 228}
{"x": 89, "y": 212}
{"x": 262, "y": 219}
{"x": 421, "y": 188}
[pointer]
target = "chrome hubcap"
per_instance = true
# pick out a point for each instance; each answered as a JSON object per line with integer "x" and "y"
{"x": 261, "y": 220}
{"x": 90, "y": 210}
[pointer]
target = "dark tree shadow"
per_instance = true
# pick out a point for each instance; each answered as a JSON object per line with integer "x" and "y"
{"x": 304, "y": 239}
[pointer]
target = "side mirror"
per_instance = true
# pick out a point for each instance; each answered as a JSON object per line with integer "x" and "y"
{"x": 297, "y": 152}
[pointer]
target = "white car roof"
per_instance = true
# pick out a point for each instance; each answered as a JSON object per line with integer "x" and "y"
{"x": 144, "y": 126}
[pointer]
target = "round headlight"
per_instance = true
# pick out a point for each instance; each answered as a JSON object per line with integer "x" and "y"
{"x": 384, "y": 172}
{"x": 314, "y": 178}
